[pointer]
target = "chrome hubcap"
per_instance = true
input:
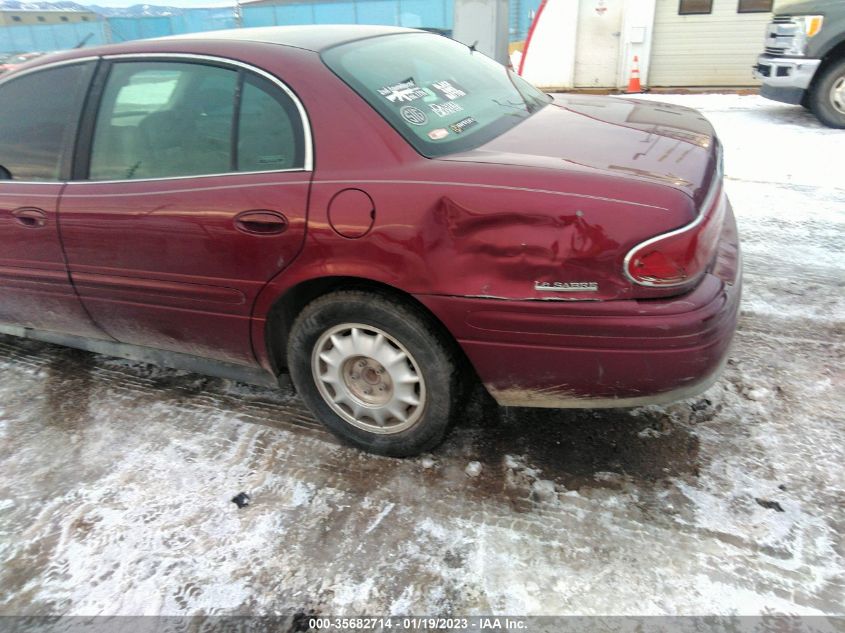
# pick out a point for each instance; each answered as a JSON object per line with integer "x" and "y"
{"x": 837, "y": 94}
{"x": 368, "y": 378}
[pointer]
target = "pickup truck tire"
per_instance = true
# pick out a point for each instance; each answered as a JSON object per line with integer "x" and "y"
{"x": 376, "y": 371}
{"x": 827, "y": 97}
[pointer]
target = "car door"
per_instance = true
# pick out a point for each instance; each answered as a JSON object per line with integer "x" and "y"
{"x": 192, "y": 195}
{"x": 36, "y": 136}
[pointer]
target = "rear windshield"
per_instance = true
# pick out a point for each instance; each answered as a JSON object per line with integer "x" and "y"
{"x": 439, "y": 94}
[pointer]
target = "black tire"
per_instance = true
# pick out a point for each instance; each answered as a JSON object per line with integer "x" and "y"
{"x": 805, "y": 100}
{"x": 821, "y": 100}
{"x": 430, "y": 355}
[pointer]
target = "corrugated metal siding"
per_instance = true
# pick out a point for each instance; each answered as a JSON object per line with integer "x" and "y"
{"x": 705, "y": 50}
{"x": 521, "y": 14}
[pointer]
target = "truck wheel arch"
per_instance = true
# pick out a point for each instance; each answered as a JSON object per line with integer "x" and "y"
{"x": 835, "y": 50}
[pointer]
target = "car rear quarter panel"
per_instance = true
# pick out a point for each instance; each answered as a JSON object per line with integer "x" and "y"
{"x": 610, "y": 353}
{"x": 441, "y": 228}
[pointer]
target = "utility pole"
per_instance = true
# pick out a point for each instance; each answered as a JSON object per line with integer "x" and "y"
{"x": 484, "y": 24}
{"x": 239, "y": 20}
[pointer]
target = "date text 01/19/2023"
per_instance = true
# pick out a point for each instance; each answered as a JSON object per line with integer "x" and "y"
{"x": 408, "y": 623}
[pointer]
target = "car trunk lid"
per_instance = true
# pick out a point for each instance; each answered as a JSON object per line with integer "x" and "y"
{"x": 656, "y": 142}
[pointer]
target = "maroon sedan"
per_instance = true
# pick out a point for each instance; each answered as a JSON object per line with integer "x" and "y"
{"x": 382, "y": 213}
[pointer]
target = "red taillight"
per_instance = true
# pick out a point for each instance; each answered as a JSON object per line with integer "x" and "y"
{"x": 681, "y": 256}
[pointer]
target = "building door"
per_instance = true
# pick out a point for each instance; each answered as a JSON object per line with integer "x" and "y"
{"x": 707, "y": 42}
{"x": 597, "y": 44}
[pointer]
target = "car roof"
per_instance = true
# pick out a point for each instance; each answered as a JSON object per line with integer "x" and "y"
{"x": 317, "y": 37}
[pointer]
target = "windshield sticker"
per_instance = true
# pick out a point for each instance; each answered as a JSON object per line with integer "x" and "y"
{"x": 439, "y": 133}
{"x": 413, "y": 115}
{"x": 445, "y": 109}
{"x": 403, "y": 91}
{"x": 463, "y": 125}
{"x": 448, "y": 90}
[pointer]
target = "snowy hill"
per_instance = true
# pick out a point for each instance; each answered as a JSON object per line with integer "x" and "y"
{"x": 135, "y": 11}
{"x": 61, "y": 5}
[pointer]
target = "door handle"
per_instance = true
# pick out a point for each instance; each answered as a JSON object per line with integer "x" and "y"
{"x": 30, "y": 217}
{"x": 260, "y": 222}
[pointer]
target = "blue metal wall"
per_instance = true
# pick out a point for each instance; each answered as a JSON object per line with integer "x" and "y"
{"x": 50, "y": 37}
{"x": 189, "y": 21}
{"x": 521, "y": 14}
{"x": 431, "y": 14}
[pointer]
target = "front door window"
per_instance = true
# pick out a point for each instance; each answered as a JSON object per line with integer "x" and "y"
{"x": 35, "y": 126}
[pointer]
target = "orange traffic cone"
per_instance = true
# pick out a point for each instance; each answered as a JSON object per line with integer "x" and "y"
{"x": 634, "y": 81}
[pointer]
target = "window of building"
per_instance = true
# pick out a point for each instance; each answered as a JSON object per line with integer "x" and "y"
{"x": 63, "y": 18}
{"x": 40, "y": 18}
{"x": 755, "y": 6}
{"x": 84, "y": 18}
{"x": 35, "y": 125}
{"x": 695, "y": 7}
{"x": 16, "y": 18}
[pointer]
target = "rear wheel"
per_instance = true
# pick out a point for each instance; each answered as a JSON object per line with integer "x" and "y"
{"x": 374, "y": 371}
{"x": 827, "y": 99}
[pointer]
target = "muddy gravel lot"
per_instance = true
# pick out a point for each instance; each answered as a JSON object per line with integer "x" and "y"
{"x": 116, "y": 478}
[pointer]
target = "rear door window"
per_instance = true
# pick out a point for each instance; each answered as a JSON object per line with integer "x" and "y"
{"x": 163, "y": 119}
{"x": 270, "y": 135}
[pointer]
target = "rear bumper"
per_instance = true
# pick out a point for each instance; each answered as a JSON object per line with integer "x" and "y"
{"x": 601, "y": 354}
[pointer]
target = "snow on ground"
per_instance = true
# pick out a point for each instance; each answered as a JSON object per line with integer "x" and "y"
{"x": 116, "y": 478}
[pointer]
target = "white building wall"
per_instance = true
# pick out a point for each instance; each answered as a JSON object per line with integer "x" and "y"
{"x": 637, "y": 31}
{"x": 551, "y": 58}
{"x": 716, "y": 49}
{"x": 549, "y": 61}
